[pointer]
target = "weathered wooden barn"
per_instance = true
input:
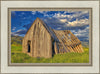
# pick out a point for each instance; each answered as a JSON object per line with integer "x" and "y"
{"x": 42, "y": 41}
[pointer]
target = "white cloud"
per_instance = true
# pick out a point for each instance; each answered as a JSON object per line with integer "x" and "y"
{"x": 19, "y": 32}
{"x": 59, "y": 28}
{"x": 14, "y": 28}
{"x": 12, "y": 33}
{"x": 46, "y": 15}
{"x": 82, "y": 33}
{"x": 44, "y": 12}
{"x": 33, "y": 12}
{"x": 63, "y": 20}
{"x": 41, "y": 12}
{"x": 78, "y": 22}
{"x": 23, "y": 13}
{"x": 76, "y": 14}
{"x": 59, "y": 15}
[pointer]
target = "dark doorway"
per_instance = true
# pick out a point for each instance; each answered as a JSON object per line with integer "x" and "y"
{"x": 29, "y": 48}
{"x": 53, "y": 51}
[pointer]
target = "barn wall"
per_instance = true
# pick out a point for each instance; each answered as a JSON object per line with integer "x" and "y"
{"x": 28, "y": 37}
{"x": 41, "y": 44}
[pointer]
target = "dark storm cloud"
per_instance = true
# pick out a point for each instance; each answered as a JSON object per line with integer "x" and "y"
{"x": 54, "y": 23}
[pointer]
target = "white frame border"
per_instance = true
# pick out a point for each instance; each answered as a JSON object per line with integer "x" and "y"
{"x": 27, "y": 69}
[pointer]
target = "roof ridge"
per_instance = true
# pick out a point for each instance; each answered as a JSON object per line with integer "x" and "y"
{"x": 49, "y": 29}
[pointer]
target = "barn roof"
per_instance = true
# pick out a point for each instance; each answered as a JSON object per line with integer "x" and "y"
{"x": 49, "y": 30}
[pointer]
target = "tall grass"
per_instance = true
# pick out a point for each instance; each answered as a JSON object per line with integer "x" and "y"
{"x": 18, "y": 57}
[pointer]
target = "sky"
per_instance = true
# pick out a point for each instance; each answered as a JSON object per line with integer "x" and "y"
{"x": 76, "y": 21}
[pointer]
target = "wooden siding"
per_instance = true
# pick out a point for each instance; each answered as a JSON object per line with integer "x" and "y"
{"x": 41, "y": 45}
{"x": 68, "y": 42}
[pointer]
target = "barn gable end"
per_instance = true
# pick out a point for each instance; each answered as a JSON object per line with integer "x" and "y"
{"x": 40, "y": 40}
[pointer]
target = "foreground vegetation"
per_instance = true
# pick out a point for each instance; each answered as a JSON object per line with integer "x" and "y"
{"x": 18, "y": 57}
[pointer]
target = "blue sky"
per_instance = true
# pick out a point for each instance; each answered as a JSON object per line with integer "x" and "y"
{"x": 76, "y": 21}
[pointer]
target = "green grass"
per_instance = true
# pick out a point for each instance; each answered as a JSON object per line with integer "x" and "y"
{"x": 18, "y": 57}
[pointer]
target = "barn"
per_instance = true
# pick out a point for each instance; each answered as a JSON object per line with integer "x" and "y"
{"x": 42, "y": 41}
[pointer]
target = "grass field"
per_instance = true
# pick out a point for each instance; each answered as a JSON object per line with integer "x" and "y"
{"x": 18, "y": 57}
